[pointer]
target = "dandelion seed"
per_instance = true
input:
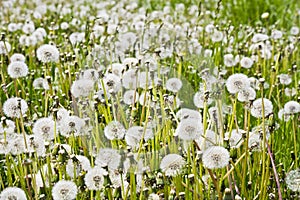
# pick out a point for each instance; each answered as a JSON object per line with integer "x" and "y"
{"x": 291, "y": 107}
{"x": 129, "y": 79}
{"x": 217, "y": 36}
{"x": 17, "y": 57}
{"x": 94, "y": 178}
{"x": 294, "y": 30}
{"x": 171, "y": 164}
{"x": 199, "y": 99}
{"x": 5, "y": 47}
{"x": 229, "y": 60}
{"x": 82, "y": 88}
{"x": 284, "y": 79}
{"x": 258, "y": 108}
{"x": 77, "y": 165}
{"x": 47, "y": 53}
{"x": 71, "y": 125}
{"x": 246, "y": 62}
{"x": 210, "y": 138}
{"x": 237, "y": 82}
{"x": 292, "y": 180}
{"x": 246, "y": 95}
{"x": 15, "y": 107}
{"x": 114, "y": 130}
{"x": 17, "y": 69}
{"x": 189, "y": 129}
{"x": 7, "y": 126}
{"x": 44, "y": 127}
{"x": 13, "y": 193}
{"x": 17, "y": 145}
{"x": 236, "y": 138}
{"x": 130, "y": 97}
{"x": 215, "y": 157}
{"x": 107, "y": 157}
{"x": 112, "y": 83}
{"x": 63, "y": 190}
{"x": 35, "y": 143}
{"x": 135, "y": 134}
{"x": 173, "y": 84}
{"x": 259, "y": 37}
{"x": 90, "y": 74}
{"x": 40, "y": 83}
{"x": 283, "y": 116}
{"x": 186, "y": 113}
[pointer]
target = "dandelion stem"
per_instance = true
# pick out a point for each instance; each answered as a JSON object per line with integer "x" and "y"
{"x": 275, "y": 171}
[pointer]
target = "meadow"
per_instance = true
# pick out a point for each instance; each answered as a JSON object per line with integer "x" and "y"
{"x": 148, "y": 99}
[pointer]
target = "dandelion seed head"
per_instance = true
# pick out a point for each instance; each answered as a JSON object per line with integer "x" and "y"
{"x": 257, "y": 107}
{"x": 237, "y": 82}
{"x": 291, "y": 107}
{"x": 17, "y": 69}
{"x": 40, "y": 83}
{"x": 114, "y": 130}
{"x": 7, "y": 126}
{"x": 13, "y": 193}
{"x": 44, "y": 127}
{"x": 77, "y": 165}
{"x": 71, "y": 125}
{"x": 235, "y": 138}
{"x": 36, "y": 143}
{"x": 292, "y": 180}
{"x": 130, "y": 97}
{"x": 209, "y": 139}
{"x": 134, "y": 135}
{"x": 189, "y": 129}
{"x": 107, "y": 157}
{"x": 5, "y": 47}
{"x": 186, "y": 113}
{"x": 47, "y": 53}
{"x": 246, "y": 62}
{"x": 82, "y": 88}
{"x": 63, "y": 190}
{"x": 15, "y": 107}
{"x": 171, "y": 164}
{"x": 112, "y": 83}
{"x": 17, "y": 57}
{"x": 94, "y": 179}
{"x": 285, "y": 79}
{"x": 17, "y": 145}
{"x": 174, "y": 84}
{"x": 215, "y": 157}
{"x": 246, "y": 95}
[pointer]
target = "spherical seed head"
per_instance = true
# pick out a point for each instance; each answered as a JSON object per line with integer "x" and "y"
{"x": 14, "y": 107}
{"x": 64, "y": 190}
{"x": 171, "y": 164}
{"x": 47, "y": 53}
{"x": 215, "y": 157}
{"x": 13, "y": 193}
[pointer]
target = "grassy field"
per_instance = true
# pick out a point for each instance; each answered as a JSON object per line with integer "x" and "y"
{"x": 149, "y": 99}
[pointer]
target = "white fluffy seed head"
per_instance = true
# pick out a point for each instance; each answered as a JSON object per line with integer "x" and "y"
{"x": 82, "y": 88}
{"x": 261, "y": 106}
{"x": 64, "y": 190}
{"x": 171, "y": 164}
{"x": 114, "y": 130}
{"x": 215, "y": 157}
{"x": 13, "y": 193}
{"x": 15, "y": 107}
{"x": 237, "y": 82}
{"x": 17, "y": 69}
{"x": 47, "y": 53}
